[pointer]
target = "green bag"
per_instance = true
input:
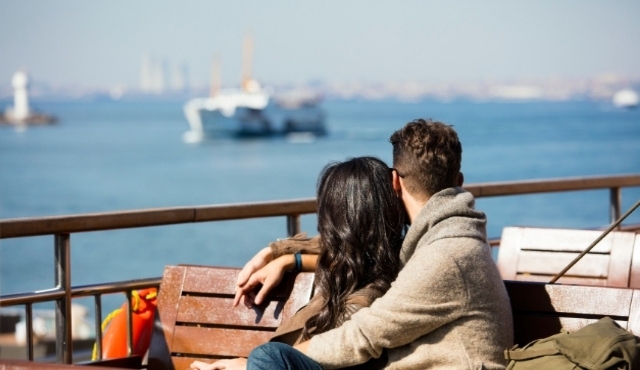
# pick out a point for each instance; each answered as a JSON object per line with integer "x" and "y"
{"x": 600, "y": 345}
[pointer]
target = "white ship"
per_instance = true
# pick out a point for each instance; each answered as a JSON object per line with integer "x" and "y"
{"x": 252, "y": 110}
{"x": 625, "y": 98}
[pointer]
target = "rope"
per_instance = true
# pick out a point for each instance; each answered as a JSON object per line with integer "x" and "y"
{"x": 613, "y": 226}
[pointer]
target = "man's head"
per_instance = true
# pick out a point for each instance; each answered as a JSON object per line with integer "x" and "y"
{"x": 427, "y": 156}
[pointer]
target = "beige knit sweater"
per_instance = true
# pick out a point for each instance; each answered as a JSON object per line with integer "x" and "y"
{"x": 448, "y": 308}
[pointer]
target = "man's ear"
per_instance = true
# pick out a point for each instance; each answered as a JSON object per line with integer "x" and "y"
{"x": 460, "y": 179}
{"x": 395, "y": 182}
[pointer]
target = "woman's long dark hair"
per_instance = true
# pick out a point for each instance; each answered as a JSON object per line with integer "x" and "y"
{"x": 361, "y": 222}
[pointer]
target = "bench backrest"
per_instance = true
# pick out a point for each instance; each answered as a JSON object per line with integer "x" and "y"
{"x": 537, "y": 254}
{"x": 195, "y": 319}
{"x": 541, "y": 310}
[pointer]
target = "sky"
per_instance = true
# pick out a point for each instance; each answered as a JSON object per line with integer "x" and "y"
{"x": 101, "y": 43}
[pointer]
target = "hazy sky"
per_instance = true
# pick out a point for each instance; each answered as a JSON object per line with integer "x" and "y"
{"x": 101, "y": 43}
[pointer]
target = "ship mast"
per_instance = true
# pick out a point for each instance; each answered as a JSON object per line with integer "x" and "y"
{"x": 216, "y": 76}
{"x": 247, "y": 56}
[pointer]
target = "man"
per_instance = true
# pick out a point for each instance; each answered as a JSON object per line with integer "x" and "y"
{"x": 448, "y": 307}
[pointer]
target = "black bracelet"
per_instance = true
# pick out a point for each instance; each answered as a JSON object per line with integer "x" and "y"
{"x": 298, "y": 259}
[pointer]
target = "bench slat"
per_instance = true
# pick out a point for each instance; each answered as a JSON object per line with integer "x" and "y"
{"x": 222, "y": 342}
{"x": 563, "y": 280}
{"x": 591, "y": 265}
{"x": 563, "y": 240}
{"x": 220, "y": 311}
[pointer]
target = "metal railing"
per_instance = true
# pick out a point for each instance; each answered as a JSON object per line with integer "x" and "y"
{"x": 61, "y": 227}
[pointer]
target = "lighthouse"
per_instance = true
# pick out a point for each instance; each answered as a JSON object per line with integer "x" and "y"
{"x": 20, "y": 84}
{"x": 21, "y": 114}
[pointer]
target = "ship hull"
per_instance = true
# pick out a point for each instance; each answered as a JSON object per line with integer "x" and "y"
{"x": 207, "y": 119}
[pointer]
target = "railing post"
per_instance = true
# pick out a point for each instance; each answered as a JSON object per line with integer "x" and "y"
{"x": 129, "y": 313}
{"x": 29, "y": 329}
{"x": 98, "y": 325}
{"x": 615, "y": 199}
{"x": 64, "y": 345}
{"x": 293, "y": 224}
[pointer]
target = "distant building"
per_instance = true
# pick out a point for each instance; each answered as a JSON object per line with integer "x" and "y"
{"x": 157, "y": 78}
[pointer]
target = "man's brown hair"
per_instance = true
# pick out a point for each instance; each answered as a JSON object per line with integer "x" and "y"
{"x": 427, "y": 155}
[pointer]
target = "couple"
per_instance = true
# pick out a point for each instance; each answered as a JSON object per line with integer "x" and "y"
{"x": 431, "y": 300}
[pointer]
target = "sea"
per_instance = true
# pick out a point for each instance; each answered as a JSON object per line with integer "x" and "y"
{"x": 125, "y": 155}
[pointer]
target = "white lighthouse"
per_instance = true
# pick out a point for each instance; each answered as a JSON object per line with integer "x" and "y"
{"x": 21, "y": 114}
{"x": 20, "y": 84}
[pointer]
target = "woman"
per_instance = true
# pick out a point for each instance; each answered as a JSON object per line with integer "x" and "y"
{"x": 361, "y": 222}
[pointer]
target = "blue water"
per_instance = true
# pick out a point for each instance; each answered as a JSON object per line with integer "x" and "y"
{"x": 109, "y": 156}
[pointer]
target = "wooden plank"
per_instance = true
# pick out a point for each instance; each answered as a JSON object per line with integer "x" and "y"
{"x": 545, "y": 263}
{"x": 528, "y": 327}
{"x": 165, "y": 317}
{"x": 563, "y": 280}
{"x": 184, "y": 362}
{"x": 222, "y": 281}
{"x": 564, "y": 240}
{"x": 634, "y": 277}
{"x": 205, "y": 280}
{"x": 220, "y": 311}
{"x": 634, "y": 313}
{"x": 221, "y": 342}
{"x": 541, "y": 310}
{"x": 621, "y": 258}
{"x": 509, "y": 252}
{"x": 301, "y": 293}
{"x": 577, "y": 300}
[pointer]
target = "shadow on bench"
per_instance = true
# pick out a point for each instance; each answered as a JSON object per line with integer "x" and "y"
{"x": 541, "y": 310}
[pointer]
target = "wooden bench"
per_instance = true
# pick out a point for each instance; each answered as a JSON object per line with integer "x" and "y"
{"x": 195, "y": 319}
{"x": 541, "y": 310}
{"x": 537, "y": 254}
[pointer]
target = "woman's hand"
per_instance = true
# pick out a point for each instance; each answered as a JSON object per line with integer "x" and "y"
{"x": 261, "y": 259}
{"x": 268, "y": 276}
{"x": 232, "y": 364}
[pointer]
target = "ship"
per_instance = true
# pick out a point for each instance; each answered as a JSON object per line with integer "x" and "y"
{"x": 252, "y": 110}
{"x": 626, "y": 98}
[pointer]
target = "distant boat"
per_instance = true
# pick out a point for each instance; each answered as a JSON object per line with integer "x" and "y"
{"x": 252, "y": 110}
{"x": 626, "y": 98}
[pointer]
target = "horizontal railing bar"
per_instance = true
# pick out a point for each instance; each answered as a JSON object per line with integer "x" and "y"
{"x": 78, "y": 291}
{"x": 32, "y": 297}
{"x": 21, "y": 227}
{"x": 114, "y": 287}
{"x": 552, "y": 185}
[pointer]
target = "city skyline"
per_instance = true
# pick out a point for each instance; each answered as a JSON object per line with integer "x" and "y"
{"x": 100, "y": 45}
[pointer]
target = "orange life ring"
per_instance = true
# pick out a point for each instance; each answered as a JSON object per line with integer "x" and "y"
{"x": 114, "y": 327}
